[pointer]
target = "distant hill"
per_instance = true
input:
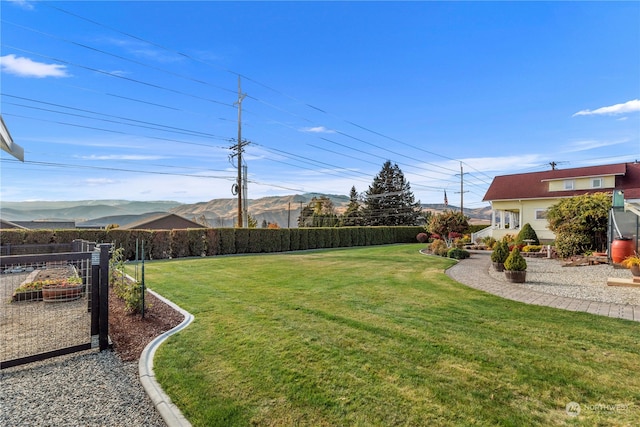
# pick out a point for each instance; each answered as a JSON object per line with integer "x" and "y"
{"x": 79, "y": 211}
{"x": 283, "y": 210}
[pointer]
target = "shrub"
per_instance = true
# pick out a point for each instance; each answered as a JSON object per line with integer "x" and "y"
{"x": 439, "y": 247}
{"x": 458, "y": 253}
{"x": 572, "y": 244}
{"x": 500, "y": 252}
{"x": 489, "y": 241}
{"x": 422, "y": 237}
{"x": 532, "y": 248}
{"x": 515, "y": 261}
{"x": 527, "y": 233}
{"x": 130, "y": 291}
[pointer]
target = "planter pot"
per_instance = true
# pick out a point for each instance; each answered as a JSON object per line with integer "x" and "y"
{"x": 53, "y": 293}
{"x": 498, "y": 266}
{"x": 515, "y": 276}
{"x": 635, "y": 270}
{"x": 622, "y": 248}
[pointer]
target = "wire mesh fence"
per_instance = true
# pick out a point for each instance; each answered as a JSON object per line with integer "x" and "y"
{"x": 46, "y": 304}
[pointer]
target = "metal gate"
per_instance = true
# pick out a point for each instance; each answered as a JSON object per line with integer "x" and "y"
{"x": 53, "y": 304}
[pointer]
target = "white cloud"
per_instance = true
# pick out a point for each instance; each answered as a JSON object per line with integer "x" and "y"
{"x": 93, "y": 182}
{"x": 25, "y": 67}
{"x": 23, "y": 4}
{"x": 627, "y": 107}
{"x": 318, "y": 129}
{"x": 591, "y": 144}
{"x": 120, "y": 157}
{"x": 500, "y": 164}
{"x": 144, "y": 50}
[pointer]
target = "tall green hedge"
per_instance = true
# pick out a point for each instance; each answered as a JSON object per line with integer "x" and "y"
{"x": 161, "y": 244}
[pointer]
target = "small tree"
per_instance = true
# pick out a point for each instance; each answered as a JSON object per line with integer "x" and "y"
{"x": 320, "y": 212}
{"x": 500, "y": 252}
{"x": 515, "y": 261}
{"x": 580, "y": 223}
{"x": 352, "y": 216}
{"x": 527, "y": 233}
{"x": 446, "y": 223}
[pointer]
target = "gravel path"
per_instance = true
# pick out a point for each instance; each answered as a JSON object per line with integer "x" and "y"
{"x": 586, "y": 282}
{"x": 84, "y": 389}
{"x": 548, "y": 283}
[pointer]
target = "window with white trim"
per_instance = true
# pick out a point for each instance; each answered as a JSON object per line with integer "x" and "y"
{"x": 541, "y": 213}
{"x": 568, "y": 184}
{"x": 596, "y": 182}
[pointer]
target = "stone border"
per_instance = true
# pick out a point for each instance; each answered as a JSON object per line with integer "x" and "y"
{"x": 169, "y": 412}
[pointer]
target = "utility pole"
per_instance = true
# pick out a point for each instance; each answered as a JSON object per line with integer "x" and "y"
{"x": 245, "y": 191}
{"x": 462, "y": 189}
{"x": 238, "y": 148}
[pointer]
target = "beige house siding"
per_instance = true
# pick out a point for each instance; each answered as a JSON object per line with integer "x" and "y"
{"x": 607, "y": 182}
{"x": 521, "y": 212}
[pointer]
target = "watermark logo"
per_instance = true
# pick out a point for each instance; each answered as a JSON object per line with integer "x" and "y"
{"x": 573, "y": 409}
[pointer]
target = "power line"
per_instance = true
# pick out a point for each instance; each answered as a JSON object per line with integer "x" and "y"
{"x": 267, "y": 87}
{"x": 110, "y": 130}
{"x": 136, "y": 123}
{"x": 114, "y": 169}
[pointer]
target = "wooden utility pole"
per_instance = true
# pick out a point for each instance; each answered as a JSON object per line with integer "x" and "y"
{"x": 239, "y": 147}
{"x": 461, "y": 189}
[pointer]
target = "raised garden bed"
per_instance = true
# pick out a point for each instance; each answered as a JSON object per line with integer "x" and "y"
{"x": 60, "y": 284}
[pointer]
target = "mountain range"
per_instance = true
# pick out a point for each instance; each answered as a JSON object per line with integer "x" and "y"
{"x": 283, "y": 210}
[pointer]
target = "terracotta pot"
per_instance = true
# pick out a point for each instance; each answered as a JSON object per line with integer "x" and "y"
{"x": 622, "y": 248}
{"x": 53, "y": 293}
{"x": 498, "y": 266}
{"x": 515, "y": 276}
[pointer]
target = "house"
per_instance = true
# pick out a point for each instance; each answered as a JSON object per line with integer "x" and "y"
{"x": 8, "y": 225}
{"x": 46, "y": 225}
{"x": 525, "y": 198}
{"x": 163, "y": 221}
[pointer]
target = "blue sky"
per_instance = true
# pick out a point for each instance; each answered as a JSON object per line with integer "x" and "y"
{"x": 135, "y": 100}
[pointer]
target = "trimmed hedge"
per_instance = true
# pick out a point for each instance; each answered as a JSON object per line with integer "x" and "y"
{"x": 162, "y": 244}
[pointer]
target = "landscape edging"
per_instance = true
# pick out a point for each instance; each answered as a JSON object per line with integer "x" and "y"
{"x": 168, "y": 411}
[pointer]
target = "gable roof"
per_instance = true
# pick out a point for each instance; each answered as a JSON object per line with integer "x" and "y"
{"x": 163, "y": 221}
{"x": 535, "y": 185}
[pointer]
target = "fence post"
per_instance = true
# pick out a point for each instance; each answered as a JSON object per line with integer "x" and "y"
{"x": 94, "y": 303}
{"x": 103, "y": 338}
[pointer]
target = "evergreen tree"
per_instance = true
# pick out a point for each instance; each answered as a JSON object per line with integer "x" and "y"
{"x": 389, "y": 199}
{"x": 353, "y": 215}
{"x": 320, "y": 212}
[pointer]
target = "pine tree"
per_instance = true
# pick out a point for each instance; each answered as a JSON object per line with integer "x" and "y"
{"x": 353, "y": 215}
{"x": 389, "y": 199}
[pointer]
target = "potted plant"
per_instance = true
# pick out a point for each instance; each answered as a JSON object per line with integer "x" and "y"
{"x": 499, "y": 255}
{"x": 632, "y": 263}
{"x": 515, "y": 267}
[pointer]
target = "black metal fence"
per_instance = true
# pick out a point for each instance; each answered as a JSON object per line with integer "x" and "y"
{"x": 53, "y": 304}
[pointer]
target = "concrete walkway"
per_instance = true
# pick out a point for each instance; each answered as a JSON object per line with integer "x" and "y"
{"x": 474, "y": 272}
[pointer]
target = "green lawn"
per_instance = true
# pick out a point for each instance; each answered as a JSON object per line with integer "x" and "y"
{"x": 380, "y": 336}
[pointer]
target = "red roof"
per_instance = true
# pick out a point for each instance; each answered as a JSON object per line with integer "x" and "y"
{"x": 535, "y": 185}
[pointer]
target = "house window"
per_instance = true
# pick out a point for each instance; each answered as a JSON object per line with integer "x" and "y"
{"x": 596, "y": 183}
{"x": 568, "y": 184}
{"x": 541, "y": 214}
